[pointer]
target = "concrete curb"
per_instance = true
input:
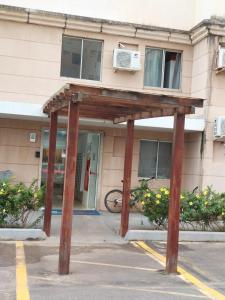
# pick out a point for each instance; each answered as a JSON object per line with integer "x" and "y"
{"x": 185, "y": 236}
{"x": 21, "y": 234}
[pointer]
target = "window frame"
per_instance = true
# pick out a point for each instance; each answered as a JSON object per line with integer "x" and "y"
{"x": 157, "y": 157}
{"x": 163, "y": 69}
{"x": 81, "y": 60}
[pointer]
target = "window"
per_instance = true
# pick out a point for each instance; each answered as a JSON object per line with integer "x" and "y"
{"x": 162, "y": 68}
{"x": 155, "y": 159}
{"x": 81, "y": 58}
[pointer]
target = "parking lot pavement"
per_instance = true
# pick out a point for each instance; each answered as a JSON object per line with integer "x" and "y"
{"x": 7, "y": 271}
{"x": 98, "y": 271}
{"x": 205, "y": 260}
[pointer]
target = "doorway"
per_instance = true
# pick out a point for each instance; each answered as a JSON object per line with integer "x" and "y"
{"x": 86, "y": 170}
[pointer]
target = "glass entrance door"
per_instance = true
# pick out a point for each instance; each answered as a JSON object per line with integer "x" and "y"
{"x": 86, "y": 171}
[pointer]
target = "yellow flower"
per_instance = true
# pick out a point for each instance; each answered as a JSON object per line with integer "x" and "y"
{"x": 147, "y": 195}
{"x": 2, "y": 193}
{"x": 206, "y": 202}
{"x": 4, "y": 184}
{"x": 158, "y": 196}
{"x": 166, "y": 192}
{"x": 197, "y": 196}
{"x": 182, "y": 197}
{"x": 205, "y": 193}
{"x": 142, "y": 202}
{"x": 223, "y": 213}
{"x": 157, "y": 202}
{"x": 19, "y": 191}
{"x": 190, "y": 203}
{"x": 162, "y": 189}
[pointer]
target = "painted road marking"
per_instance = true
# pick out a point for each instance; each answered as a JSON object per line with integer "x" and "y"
{"x": 113, "y": 265}
{"x": 149, "y": 290}
{"x": 211, "y": 293}
{"x": 22, "y": 291}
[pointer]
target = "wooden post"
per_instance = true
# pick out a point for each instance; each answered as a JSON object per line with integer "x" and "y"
{"x": 175, "y": 187}
{"x": 69, "y": 188}
{"x": 50, "y": 174}
{"x": 127, "y": 178}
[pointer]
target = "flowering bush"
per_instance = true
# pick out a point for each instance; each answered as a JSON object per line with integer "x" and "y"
{"x": 17, "y": 202}
{"x": 203, "y": 210}
{"x": 155, "y": 206}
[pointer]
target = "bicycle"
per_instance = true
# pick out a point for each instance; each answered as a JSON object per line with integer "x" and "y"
{"x": 113, "y": 199}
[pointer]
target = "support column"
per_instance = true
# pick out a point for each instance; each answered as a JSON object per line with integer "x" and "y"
{"x": 127, "y": 178}
{"x": 69, "y": 188}
{"x": 50, "y": 174}
{"x": 175, "y": 187}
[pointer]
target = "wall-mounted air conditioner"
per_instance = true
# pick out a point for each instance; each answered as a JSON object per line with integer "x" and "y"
{"x": 127, "y": 60}
{"x": 221, "y": 58}
{"x": 219, "y": 129}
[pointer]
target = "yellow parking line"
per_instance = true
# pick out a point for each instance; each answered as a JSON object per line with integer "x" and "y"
{"x": 211, "y": 293}
{"x": 22, "y": 291}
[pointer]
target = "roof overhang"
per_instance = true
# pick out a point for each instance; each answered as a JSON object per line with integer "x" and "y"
{"x": 117, "y": 105}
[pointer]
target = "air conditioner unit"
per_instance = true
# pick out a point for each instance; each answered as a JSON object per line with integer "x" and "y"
{"x": 219, "y": 129}
{"x": 221, "y": 58}
{"x": 127, "y": 60}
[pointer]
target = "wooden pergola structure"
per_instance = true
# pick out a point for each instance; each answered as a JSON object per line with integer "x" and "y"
{"x": 118, "y": 106}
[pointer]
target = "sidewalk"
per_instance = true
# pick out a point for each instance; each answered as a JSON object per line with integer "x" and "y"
{"x": 96, "y": 229}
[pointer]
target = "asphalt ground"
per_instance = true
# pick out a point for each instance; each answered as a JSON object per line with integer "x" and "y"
{"x": 205, "y": 260}
{"x": 107, "y": 271}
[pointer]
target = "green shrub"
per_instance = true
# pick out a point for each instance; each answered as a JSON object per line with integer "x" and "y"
{"x": 202, "y": 211}
{"x": 18, "y": 201}
{"x": 155, "y": 206}
{"x": 204, "y": 208}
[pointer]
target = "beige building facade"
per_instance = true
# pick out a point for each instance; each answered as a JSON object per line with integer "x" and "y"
{"x": 31, "y": 71}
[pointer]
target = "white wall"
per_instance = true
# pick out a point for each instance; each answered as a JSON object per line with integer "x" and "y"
{"x": 166, "y": 13}
{"x": 180, "y": 14}
{"x": 204, "y": 9}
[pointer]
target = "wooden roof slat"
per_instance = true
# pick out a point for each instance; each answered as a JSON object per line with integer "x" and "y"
{"x": 118, "y": 105}
{"x": 154, "y": 114}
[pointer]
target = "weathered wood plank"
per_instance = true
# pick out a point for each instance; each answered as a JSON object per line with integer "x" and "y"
{"x": 154, "y": 113}
{"x": 127, "y": 178}
{"x": 50, "y": 174}
{"x": 175, "y": 187}
{"x": 69, "y": 188}
{"x": 99, "y": 96}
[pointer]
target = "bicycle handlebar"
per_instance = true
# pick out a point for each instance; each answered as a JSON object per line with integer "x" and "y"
{"x": 195, "y": 189}
{"x": 148, "y": 179}
{"x": 143, "y": 179}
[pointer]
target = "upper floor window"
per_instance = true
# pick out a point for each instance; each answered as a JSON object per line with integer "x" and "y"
{"x": 155, "y": 159}
{"x": 81, "y": 58}
{"x": 162, "y": 68}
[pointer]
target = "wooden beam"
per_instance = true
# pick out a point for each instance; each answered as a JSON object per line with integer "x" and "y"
{"x": 50, "y": 174}
{"x": 107, "y": 109}
{"x": 109, "y": 93}
{"x": 62, "y": 100}
{"x": 91, "y": 114}
{"x": 123, "y": 98}
{"x": 154, "y": 113}
{"x": 127, "y": 178}
{"x": 144, "y": 104}
{"x": 175, "y": 187}
{"x": 69, "y": 188}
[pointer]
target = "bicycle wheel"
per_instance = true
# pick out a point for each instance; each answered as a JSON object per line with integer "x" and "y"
{"x": 113, "y": 201}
